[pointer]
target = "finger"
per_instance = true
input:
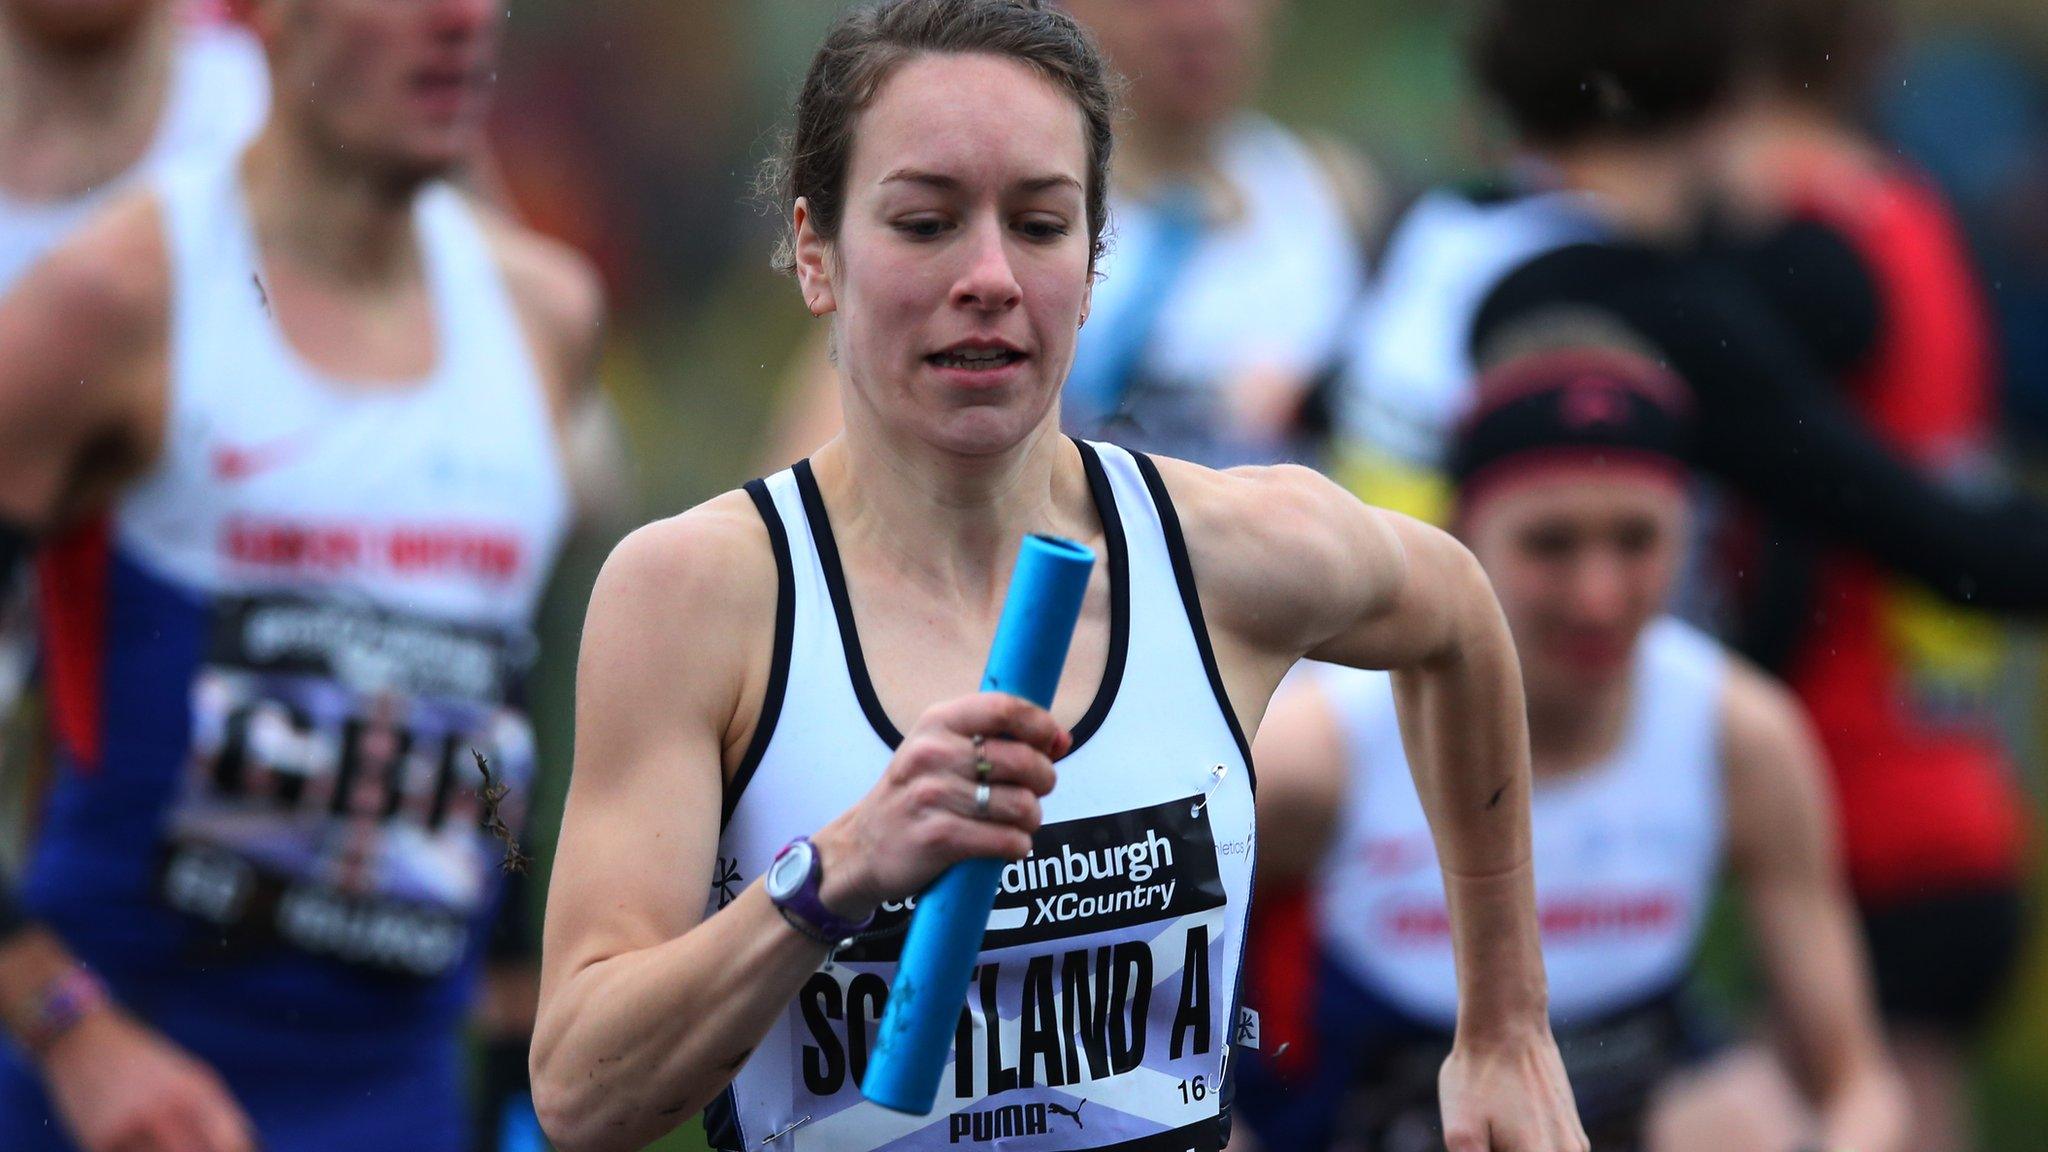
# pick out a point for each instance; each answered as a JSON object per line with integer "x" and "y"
{"x": 1007, "y": 804}
{"x": 225, "y": 1127}
{"x": 988, "y": 839}
{"x": 1011, "y": 762}
{"x": 1001, "y": 714}
{"x": 166, "y": 1131}
{"x": 1466, "y": 1138}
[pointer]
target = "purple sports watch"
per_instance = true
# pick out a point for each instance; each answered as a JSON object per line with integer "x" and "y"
{"x": 792, "y": 883}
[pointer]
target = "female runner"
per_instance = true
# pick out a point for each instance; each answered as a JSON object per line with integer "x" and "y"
{"x": 775, "y": 752}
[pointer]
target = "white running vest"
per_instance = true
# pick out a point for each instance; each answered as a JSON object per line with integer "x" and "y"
{"x": 1627, "y": 852}
{"x": 446, "y": 497}
{"x": 369, "y": 559}
{"x": 1411, "y": 369}
{"x": 1100, "y": 1015}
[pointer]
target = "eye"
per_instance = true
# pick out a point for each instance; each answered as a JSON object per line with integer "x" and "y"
{"x": 922, "y": 227}
{"x": 1635, "y": 538}
{"x": 1043, "y": 228}
{"x": 1548, "y": 543}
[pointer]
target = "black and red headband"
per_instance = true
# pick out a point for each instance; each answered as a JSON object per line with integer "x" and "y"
{"x": 1581, "y": 406}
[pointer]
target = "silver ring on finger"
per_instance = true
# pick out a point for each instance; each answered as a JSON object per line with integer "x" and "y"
{"x": 982, "y": 794}
{"x": 983, "y": 767}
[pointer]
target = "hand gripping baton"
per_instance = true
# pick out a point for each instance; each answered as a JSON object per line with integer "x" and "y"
{"x": 945, "y": 933}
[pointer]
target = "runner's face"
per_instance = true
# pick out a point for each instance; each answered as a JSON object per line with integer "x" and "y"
{"x": 961, "y": 269}
{"x": 76, "y": 25}
{"x": 1190, "y": 62}
{"x": 404, "y": 81}
{"x": 1581, "y": 562}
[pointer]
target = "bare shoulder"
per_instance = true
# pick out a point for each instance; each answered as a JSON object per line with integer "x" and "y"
{"x": 1283, "y": 505}
{"x": 83, "y": 391}
{"x": 559, "y": 296}
{"x": 1762, "y": 722}
{"x": 110, "y": 280}
{"x": 697, "y": 568}
{"x": 1779, "y": 798}
{"x": 679, "y": 637}
{"x": 1268, "y": 542}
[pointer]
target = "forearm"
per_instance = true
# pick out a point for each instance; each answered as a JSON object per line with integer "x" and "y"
{"x": 1465, "y": 726}
{"x": 630, "y": 1047}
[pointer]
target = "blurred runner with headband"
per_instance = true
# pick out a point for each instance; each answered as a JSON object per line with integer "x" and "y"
{"x": 1660, "y": 762}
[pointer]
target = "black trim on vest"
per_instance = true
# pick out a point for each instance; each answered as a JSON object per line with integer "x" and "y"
{"x": 722, "y": 1122}
{"x": 778, "y": 666}
{"x": 1119, "y": 594}
{"x": 849, "y": 633}
{"x": 1184, "y": 575}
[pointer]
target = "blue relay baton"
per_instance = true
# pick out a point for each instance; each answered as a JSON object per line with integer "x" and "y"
{"x": 1030, "y": 648}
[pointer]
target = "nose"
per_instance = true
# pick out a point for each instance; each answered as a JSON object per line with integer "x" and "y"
{"x": 1600, "y": 589}
{"x": 988, "y": 282}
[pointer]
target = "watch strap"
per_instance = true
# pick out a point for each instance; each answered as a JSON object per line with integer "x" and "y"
{"x": 804, "y": 907}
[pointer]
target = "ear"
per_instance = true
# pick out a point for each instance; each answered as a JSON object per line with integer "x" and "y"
{"x": 1088, "y": 298}
{"x": 813, "y": 261}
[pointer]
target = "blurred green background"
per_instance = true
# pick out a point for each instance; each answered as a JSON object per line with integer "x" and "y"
{"x": 633, "y": 128}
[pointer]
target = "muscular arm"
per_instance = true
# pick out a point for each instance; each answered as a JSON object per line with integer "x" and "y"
{"x": 1782, "y": 847}
{"x": 646, "y": 1013}
{"x": 1293, "y": 565}
{"x": 1772, "y": 425}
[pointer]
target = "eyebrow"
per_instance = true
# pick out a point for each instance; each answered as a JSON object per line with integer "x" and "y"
{"x": 950, "y": 184}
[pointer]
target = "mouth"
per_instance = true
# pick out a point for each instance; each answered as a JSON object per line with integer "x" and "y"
{"x": 976, "y": 357}
{"x": 446, "y": 88}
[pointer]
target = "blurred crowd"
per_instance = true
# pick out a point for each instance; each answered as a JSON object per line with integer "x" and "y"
{"x": 1278, "y": 168}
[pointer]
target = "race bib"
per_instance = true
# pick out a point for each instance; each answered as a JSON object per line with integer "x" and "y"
{"x": 1095, "y": 1019}
{"x": 332, "y": 800}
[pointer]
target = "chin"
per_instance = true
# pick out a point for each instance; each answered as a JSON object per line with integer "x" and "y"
{"x": 79, "y": 25}
{"x": 983, "y": 431}
{"x": 426, "y": 162}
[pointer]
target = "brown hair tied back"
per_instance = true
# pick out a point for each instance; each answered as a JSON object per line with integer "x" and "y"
{"x": 867, "y": 46}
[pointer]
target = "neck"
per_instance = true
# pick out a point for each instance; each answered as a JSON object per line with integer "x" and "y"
{"x": 1574, "y": 730}
{"x": 336, "y": 218}
{"x": 71, "y": 119}
{"x": 1769, "y": 123}
{"x": 949, "y": 522}
{"x": 1647, "y": 190}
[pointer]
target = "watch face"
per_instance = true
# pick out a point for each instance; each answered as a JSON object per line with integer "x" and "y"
{"x": 789, "y": 871}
